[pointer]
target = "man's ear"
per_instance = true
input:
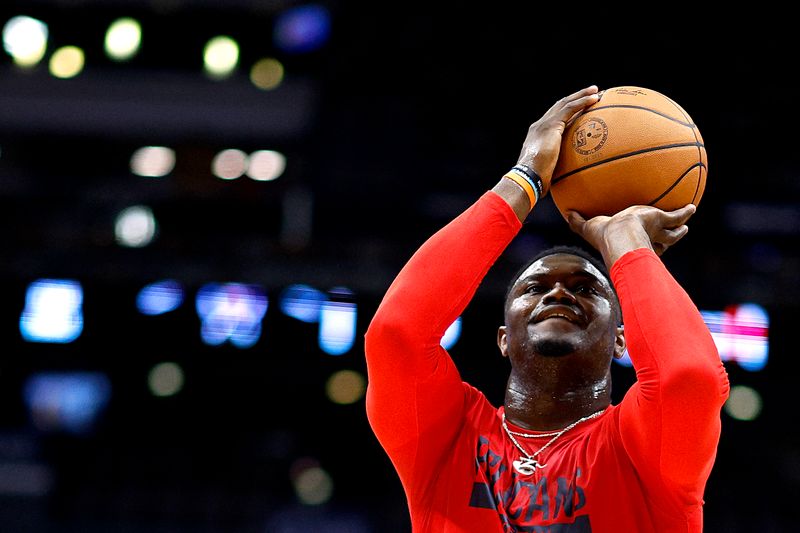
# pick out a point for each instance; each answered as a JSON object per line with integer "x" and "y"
{"x": 619, "y": 345}
{"x": 502, "y": 341}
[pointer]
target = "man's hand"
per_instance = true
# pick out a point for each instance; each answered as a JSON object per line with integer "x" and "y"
{"x": 639, "y": 226}
{"x": 543, "y": 142}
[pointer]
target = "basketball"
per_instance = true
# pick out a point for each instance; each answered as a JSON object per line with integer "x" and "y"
{"x": 634, "y": 146}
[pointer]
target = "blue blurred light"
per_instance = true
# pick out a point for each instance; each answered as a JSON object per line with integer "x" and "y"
{"x": 160, "y": 297}
{"x": 53, "y": 311}
{"x": 337, "y": 322}
{"x": 232, "y": 312}
{"x": 625, "y": 360}
{"x": 302, "y": 302}
{"x": 452, "y": 334}
{"x": 66, "y": 401}
{"x": 740, "y": 332}
{"x": 302, "y": 29}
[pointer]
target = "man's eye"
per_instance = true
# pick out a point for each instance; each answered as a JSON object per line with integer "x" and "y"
{"x": 585, "y": 289}
{"x": 534, "y": 289}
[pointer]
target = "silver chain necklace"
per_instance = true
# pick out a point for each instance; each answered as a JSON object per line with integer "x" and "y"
{"x": 528, "y": 464}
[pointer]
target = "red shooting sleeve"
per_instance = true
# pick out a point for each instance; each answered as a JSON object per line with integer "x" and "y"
{"x": 415, "y": 399}
{"x": 669, "y": 419}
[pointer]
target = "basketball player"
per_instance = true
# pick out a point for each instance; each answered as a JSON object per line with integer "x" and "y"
{"x": 557, "y": 456}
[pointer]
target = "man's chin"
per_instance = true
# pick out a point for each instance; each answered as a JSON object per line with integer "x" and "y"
{"x": 557, "y": 347}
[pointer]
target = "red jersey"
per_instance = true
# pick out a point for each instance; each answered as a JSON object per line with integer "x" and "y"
{"x": 641, "y": 466}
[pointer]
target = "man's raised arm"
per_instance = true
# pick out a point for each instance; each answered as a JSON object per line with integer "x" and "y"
{"x": 415, "y": 395}
{"x": 670, "y": 419}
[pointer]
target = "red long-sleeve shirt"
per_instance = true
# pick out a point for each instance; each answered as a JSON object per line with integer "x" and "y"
{"x": 641, "y": 466}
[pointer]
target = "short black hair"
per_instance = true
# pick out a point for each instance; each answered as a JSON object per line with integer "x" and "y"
{"x": 570, "y": 250}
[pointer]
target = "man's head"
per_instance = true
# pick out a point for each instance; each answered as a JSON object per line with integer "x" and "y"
{"x": 569, "y": 250}
{"x": 562, "y": 302}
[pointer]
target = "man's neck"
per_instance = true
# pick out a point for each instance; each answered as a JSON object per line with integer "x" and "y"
{"x": 532, "y": 405}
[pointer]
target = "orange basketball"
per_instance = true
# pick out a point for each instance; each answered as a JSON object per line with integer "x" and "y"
{"x": 634, "y": 146}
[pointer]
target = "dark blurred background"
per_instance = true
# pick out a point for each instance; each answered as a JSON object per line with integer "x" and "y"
{"x": 193, "y": 249}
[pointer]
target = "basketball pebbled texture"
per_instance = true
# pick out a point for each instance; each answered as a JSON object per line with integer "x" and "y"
{"x": 635, "y": 146}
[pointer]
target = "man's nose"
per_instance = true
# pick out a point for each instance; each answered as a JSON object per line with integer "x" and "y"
{"x": 559, "y": 294}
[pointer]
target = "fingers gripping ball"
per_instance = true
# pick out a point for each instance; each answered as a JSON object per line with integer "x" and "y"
{"x": 634, "y": 146}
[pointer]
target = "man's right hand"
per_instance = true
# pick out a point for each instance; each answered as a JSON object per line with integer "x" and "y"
{"x": 542, "y": 146}
{"x": 543, "y": 142}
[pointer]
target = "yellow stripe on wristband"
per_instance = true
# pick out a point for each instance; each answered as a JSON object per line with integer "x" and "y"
{"x": 522, "y": 182}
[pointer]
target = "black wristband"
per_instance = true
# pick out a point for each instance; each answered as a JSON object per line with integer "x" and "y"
{"x": 532, "y": 177}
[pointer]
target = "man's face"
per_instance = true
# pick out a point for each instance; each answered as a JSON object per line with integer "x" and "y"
{"x": 561, "y": 305}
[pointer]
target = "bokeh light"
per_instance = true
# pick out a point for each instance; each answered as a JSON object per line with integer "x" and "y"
{"x": 123, "y": 39}
{"x": 25, "y": 40}
{"x": 220, "y": 56}
{"x": 302, "y": 29}
{"x": 345, "y": 387}
{"x": 153, "y": 161}
{"x": 337, "y": 322}
{"x": 266, "y": 165}
{"x": 165, "y": 379}
{"x": 302, "y": 302}
{"x": 66, "y": 401}
{"x": 312, "y": 484}
{"x": 744, "y": 403}
{"x": 135, "y": 226}
{"x": 53, "y": 311}
{"x": 229, "y": 164}
{"x": 267, "y": 73}
{"x": 231, "y": 312}
{"x": 159, "y": 297}
{"x": 741, "y": 333}
{"x": 67, "y": 62}
{"x": 452, "y": 334}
